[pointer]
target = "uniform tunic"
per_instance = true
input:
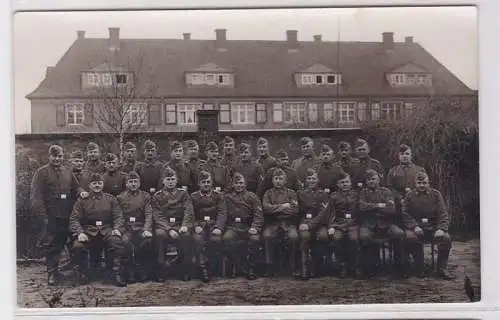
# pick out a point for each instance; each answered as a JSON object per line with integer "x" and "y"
{"x": 195, "y": 166}
{"x": 301, "y": 165}
{"x": 83, "y": 178}
{"x": 114, "y": 182}
{"x": 128, "y": 166}
{"x": 425, "y": 205}
{"x": 252, "y": 172}
{"x": 267, "y": 162}
{"x": 312, "y": 206}
{"x": 348, "y": 164}
{"x": 151, "y": 174}
{"x": 244, "y": 211}
{"x": 218, "y": 172}
{"x": 403, "y": 176}
{"x": 171, "y": 210}
{"x": 341, "y": 205}
{"x": 359, "y": 169}
{"x": 137, "y": 212}
{"x": 371, "y": 216}
{"x": 181, "y": 169}
{"x": 212, "y": 205}
{"x": 95, "y": 166}
{"x": 274, "y": 197}
{"x": 328, "y": 174}
{"x": 292, "y": 181}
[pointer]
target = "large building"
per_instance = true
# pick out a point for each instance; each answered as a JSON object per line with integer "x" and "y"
{"x": 254, "y": 85}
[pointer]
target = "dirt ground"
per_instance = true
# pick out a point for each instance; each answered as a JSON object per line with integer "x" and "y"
{"x": 33, "y": 291}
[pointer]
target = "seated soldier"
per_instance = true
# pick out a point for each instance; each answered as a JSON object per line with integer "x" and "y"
{"x": 378, "y": 220}
{"x": 250, "y": 169}
{"x": 280, "y": 207}
{"x": 313, "y": 234}
{"x": 343, "y": 226}
{"x": 244, "y": 222}
{"x": 97, "y": 221}
{"x": 425, "y": 218}
{"x": 209, "y": 220}
{"x": 345, "y": 160}
{"x": 282, "y": 162}
{"x": 172, "y": 218}
{"x": 137, "y": 238}
{"x": 114, "y": 181}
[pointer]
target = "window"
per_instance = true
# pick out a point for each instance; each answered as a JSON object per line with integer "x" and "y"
{"x": 197, "y": 78}
{"x": 295, "y": 113}
{"x": 331, "y": 79}
{"x": 390, "y": 110}
{"x": 106, "y": 79}
{"x": 93, "y": 79}
{"x": 362, "y": 106}
{"x": 224, "y": 113}
{"x": 261, "y": 113}
{"x": 75, "y": 113}
{"x": 313, "y": 112}
{"x": 121, "y": 78}
{"x": 397, "y": 79}
{"x": 208, "y": 106}
{"x": 328, "y": 112}
{"x": 136, "y": 114}
{"x": 307, "y": 79}
{"x": 170, "y": 114}
{"x": 209, "y": 78}
{"x": 277, "y": 112}
{"x": 375, "y": 111}
{"x": 186, "y": 113}
{"x": 223, "y": 79}
{"x": 242, "y": 113}
{"x": 319, "y": 79}
{"x": 346, "y": 112}
{"x": 409, "y": 106}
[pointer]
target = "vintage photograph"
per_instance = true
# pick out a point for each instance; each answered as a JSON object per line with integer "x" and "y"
{"x": 247, "y": 157}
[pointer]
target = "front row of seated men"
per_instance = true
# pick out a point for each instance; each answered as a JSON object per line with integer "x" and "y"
{"x": 136, "y": 224}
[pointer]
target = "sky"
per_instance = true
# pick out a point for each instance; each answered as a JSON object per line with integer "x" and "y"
{"x": 41, "y": 38}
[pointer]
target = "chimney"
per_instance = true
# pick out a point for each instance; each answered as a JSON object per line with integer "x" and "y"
{"x": 388, "y": 40}
{"x": 186, "y": 36}
{"x": 408, "y": 39}
{"x": 114, "y": 39}
{"x": 291, "y": 37}
{"x": 220, "y": 39}
{"x": 317, "y": 38}
{"x": 80, "y": 34}
{"x": 48, "y": 71}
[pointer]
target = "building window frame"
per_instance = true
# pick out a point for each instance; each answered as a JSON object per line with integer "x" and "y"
{"x": 224, "y": 113}
{"x": 170, "y": 113}
{"x": 74, "y": 113}
{"x": 188, "y": 110}
{"x": 277, "y": 112}
{"x": 137, "y": 113}
{"x": 391, "y": 110}
{"x": 312, "y": 112}
{"x": 346, "y": 112}
{"x": 242, "y": 113}
{"x": 297, "y": 110}
{"x": 261, "y": 113}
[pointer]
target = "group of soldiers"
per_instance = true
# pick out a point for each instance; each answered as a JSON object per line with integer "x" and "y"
{"x": 234, "y": 203}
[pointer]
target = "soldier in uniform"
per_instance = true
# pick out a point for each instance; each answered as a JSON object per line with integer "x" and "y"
{"x": 115, "y": 182}
{"x": 283, "y": 163}
{"x": 306, "y": 161}
{"x": 179, "y": 165}
{"x": 96, "y": 222}
{"x": 328, "y": 172}
{"x": 173, "y": 218}
{"x": 77, "y": 164}
{"x": 214, "y": 166}
{"x": 195, "y": 164}
{"x": 229, "y": 158}
{"x": 378, "y": 220}
{"x": 343, "y": 225}
{"x": 150, "y": 170}
{"x": 244, "y": 223}
{"x": 210, "y": 217}
{"x": 345, "y": 161}
{"x": 426, "y": 218}
{"x": 129, "y": 157}
{"x": 94, "y": 163}
{"x": 251, "y": 170}
{"x": 313, "y": 234}
{"x": 281, "y": 209}
{"x": 137, "y": 237}
{"x": 365, "y": 162}
{"x": 54, "y": 189}
{"x": 265, "y": 159}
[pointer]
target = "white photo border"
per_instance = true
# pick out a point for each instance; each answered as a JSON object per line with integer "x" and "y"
{"x": 489, "y": 68}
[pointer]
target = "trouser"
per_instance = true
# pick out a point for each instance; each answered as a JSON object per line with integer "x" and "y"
{"x": 205, "y": 245}
{"x": 270, "y": 235}
{"x": 138, "y": 247}
{"x": 345, "y": 247}
{"x": 182, "y": 242}
{"x": 415, "y": 245}
{"x": 53, "y": 241}
{"x": 241, "y": 247}
{"x": 315, "y": 242}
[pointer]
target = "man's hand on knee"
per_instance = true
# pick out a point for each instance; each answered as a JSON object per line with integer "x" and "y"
{"x": 331, "y": 231}
{"x": 439, "y": 233}
{"x": 173, "y": 234}
{"x": 303, "y": 227}
{"x": 116, "y": 233}
{"x": 82, "y": 237}
{"x": 147, "y": 234}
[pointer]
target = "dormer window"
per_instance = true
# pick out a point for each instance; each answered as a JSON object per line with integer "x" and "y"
{"x": 106, "y": 75}
{"x": 409, "y": 75}
{"x": 317, "y": 75}
{"x": 210, "y": 74}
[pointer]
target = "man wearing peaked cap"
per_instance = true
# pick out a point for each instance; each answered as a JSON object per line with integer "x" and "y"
{"x": 54, "y": 189}
{"x": 282, "y": 162}
{"x": 251, "y": 170}
{"x": 345, "y": 160}
{"x": 178, "y": 164}
{"x": 94, "y": 163}
{"x": 77, "y": 164}
{"x": 129, "y": 157}
{"x": 307, "y": 160}
{"x": 265, "y": 159}
{"x": 229, "y": 157}
{"x": 328, "y": 171}
{"x": 365, "y": 162}
{"x": 150, "y": 170}
{"x": 214, "y": 166}
{"x": 195, "y": 164}
{"x": 115, "y": 181}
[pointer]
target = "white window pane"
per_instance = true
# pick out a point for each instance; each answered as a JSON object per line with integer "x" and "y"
{"x": 313, "y": 112}
{"x": 277, "y": 112}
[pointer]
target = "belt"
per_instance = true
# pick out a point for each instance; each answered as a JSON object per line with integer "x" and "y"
{"x": 241, "y": 220}
{"x": 135, "y": 219}
{"x": 95, "y": 222}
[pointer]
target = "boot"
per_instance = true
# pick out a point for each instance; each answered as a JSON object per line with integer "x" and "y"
{"x": 81, "y": 275}
{"x": 304, "y": 261}
{"x": 160, "y": 273}
{"x": 251, "y": 262}
{"x": 116, "y": 272}
{"x": 269, "y": 252}
{"x": 442, "y": 272}
{"x": 117, "y": 280}
{"x": 418, "y": 256}
{"x": 204, "y": 273}
{"x": 51, "y": 281}
{"x": 130, "y": 272}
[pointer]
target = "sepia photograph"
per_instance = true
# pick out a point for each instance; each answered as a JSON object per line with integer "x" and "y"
{"x": 247, "y": 157}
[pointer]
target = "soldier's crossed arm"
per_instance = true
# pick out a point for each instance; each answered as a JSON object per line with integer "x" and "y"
{"x": 364, "y": 202}
{"x": 267, "y": 204}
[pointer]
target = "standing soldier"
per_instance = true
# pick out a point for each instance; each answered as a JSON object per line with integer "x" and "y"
{"x": 137, "y": 238}
{"x": 179, "y": 165}
{"x": 229, "y": 158}
{"x": 313, "y": 234}
{"x": 378, "y": 220}
{"x": 195, "y": 164}
{"x": 115, "y": 182}
{"x": 328, "y": 172}
{"x": 210, "y": 217}
{"x": 426, "y": 218}
{"x": 150, "y": 170}
{"x": 214, "y": 166}
{"x": 97, "y": 222}
{"x": 281, "y": 208}
{"x": 306, "y": 161}
{"x": 54, "y": 189}
{"x": 265, "y": 159}
{"x": 283, "y": 163}
{"x": 251, "y": 170}
{"x": 94, "y": 163}
{"x": 245, "y": 219}
{"x": 77, "y": 164}
{"x": 345, "y": 161}
{"x": 129, "y": 157}
{"x": 343, "y": 226}
{"x": 365, "y": 163}
{"x": 173, "y": 217}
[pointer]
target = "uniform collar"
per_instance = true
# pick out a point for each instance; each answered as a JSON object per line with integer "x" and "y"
{"x": 173, "y": 191}
{"x": 94, "y": 195}
{"x": 426, "y": 191}
{"x": 207, "y": 194}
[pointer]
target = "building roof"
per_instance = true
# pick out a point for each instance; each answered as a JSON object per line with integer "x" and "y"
{"x": 261, "y": 68}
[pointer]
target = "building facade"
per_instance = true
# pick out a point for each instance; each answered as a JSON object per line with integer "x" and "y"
{"x": 158, "y": 85}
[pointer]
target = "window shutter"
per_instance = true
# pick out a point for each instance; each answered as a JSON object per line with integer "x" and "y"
{"x": 88, "y": 118}
{"x": 375, "y": 111}
{"x": 154, "y": 114}
{"x": 60, "y": 115}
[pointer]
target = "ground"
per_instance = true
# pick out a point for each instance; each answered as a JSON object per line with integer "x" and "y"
{"x": 33, "y": 291}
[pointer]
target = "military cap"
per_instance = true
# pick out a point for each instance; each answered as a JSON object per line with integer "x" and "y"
{"x": 238, "y": 176}
{"x": 175, "y": 145}
{"x": 325, "y": 148}
{"x": 360, "y": 142}
{"x": 404, "y": 147}
{"x": 169, "y": 172}
{"x": 77, "y": 154}
{"x": 204, "y": 175}
{"x": 343, "y": 145}
{"x": 243, "y": 147}
{"x": 228, "y": 139}
{"x": 421, "y": 176}
{"x": 305, "y": 140}
{"x": 55, "y": 149}
{"x": 311, "y": 172}
{"x": 212, "y": 146}
{"x": 261, "y": 141}
{"x": 278, "y": 172}
{"x": 110, "y": 157}
{"x": 129, "y": 146}
{"x": 92, "y": 146}
{"x": 96, "y": 177}
{"x": 133, "y": 175}
{"x": 149, "y": 145}
{"x": 191, "y": 143}
{"x": 370, "y": 173}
